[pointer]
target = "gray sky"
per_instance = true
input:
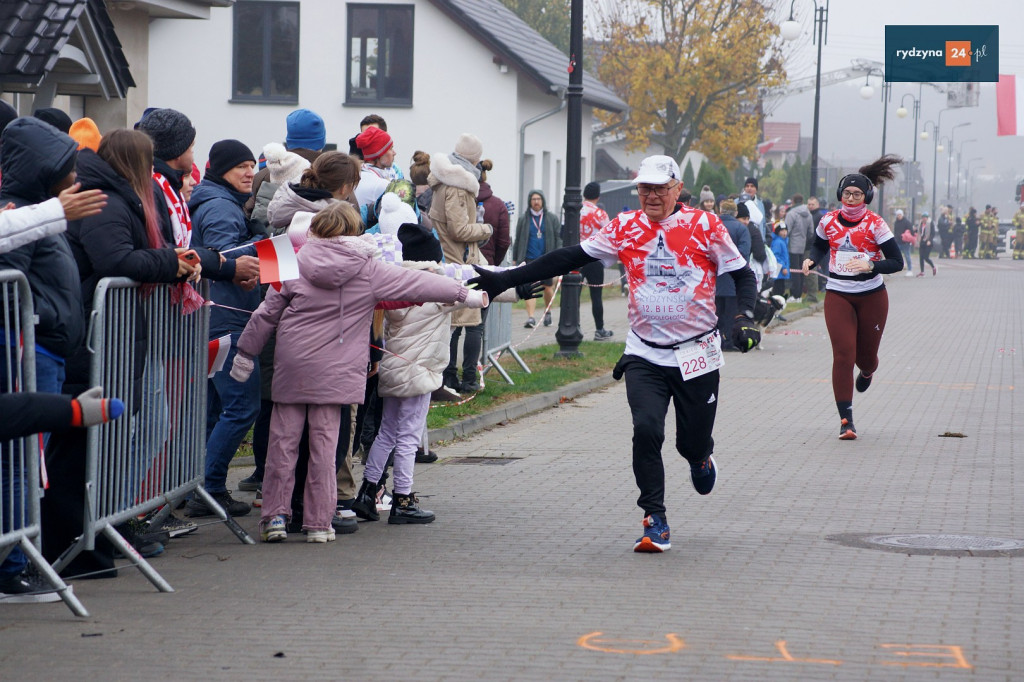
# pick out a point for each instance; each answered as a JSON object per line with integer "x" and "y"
{"x": 851, "y": 127}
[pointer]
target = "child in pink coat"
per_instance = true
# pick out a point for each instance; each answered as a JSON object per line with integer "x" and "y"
{"x": 322, "y": 321}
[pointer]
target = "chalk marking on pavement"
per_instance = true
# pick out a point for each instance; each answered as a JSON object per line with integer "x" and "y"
{"x": 935, "y": 650}
{"x": 786, "y": 657}
{"x": 591, "y": 641}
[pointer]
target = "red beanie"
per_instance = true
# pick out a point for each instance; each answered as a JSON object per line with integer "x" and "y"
{"x": 373, "y": 142}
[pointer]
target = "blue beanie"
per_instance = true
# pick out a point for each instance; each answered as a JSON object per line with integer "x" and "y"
{"x": 305, "y": 131}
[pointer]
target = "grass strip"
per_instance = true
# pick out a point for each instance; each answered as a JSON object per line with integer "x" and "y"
{"x": 548, "y": 373}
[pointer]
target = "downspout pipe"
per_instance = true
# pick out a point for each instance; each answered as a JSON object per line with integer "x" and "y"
{"x": 522, "y": 144}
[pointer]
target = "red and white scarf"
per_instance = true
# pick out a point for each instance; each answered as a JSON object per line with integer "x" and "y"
{"x": 181, "y": 226}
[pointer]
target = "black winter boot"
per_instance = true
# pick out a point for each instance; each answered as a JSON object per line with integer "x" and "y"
{"x": 365, "y": 504}
{"x": 406, "y": 509}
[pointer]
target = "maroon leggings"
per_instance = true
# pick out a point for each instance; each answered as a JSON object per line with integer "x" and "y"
{"x": 855, "y": 325}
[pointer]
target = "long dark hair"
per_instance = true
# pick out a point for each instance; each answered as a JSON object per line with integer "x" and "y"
{"x": 130, "y": 154}
{"x": 881, "y": 169}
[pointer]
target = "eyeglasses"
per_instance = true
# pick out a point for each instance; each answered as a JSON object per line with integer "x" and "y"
{"x": 847, "y": 194}
{"x": 656, "y": 190}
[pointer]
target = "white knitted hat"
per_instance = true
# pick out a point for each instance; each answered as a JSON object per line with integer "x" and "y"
{"x": 394, "y": 213}
{"x": 284, "y": 166}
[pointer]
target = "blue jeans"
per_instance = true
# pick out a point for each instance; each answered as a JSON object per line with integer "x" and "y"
{"x": 49, "y": 379}
{"x": 232, "y": 407}
{"x": 905, "y": 247}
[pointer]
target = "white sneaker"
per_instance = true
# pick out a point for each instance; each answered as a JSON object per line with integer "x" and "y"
{"x": 320, "y": 535}
{"x": 910, "y": 273}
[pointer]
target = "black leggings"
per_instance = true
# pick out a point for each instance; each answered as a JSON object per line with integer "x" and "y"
{"x": 649, "y": 388}
{"x": 855, "y": 324}
{"x": 593, "y": 273}
{"x": 923, "y": 256}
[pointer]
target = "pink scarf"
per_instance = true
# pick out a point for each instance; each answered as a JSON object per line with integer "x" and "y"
{"x": 854, "y": 213}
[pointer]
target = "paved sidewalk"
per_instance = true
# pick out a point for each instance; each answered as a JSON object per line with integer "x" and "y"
{"x": 528, "y": 573}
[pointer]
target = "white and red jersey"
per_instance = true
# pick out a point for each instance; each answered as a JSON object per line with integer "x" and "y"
{"x": 845, "y": 243}
{"x": 592, "y": 219}
{"x": 672, "y": 267}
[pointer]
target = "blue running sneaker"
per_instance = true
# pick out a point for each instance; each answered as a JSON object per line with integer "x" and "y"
{"x": 655, "y": 537}
{"x": 703, "y": 475}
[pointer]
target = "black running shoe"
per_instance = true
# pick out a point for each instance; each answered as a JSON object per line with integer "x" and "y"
{"x": 703, "y": 475}
{"x": 862, "y": 382}
{"x": 847, "y": 431}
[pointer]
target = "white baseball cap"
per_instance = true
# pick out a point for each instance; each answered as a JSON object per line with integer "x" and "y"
{"x": 657, "y": 170}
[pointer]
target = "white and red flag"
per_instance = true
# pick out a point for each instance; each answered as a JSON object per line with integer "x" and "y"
{"x": 277, "y": 259}
{"x": 217, "y": 354}
{"x": 1009, "y": 106}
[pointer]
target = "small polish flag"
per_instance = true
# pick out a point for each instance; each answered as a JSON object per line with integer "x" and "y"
{"x": 1009, "y": 106}
{"x": 765, "y": 146}
{"x": 217, "y": 354}
{"x": 277, "y": 259}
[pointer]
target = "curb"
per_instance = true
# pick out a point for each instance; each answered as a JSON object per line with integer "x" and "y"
{"x": 518, "y": 408}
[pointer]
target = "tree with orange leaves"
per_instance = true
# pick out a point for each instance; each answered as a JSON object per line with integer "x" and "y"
{"x": 690, "y": 71}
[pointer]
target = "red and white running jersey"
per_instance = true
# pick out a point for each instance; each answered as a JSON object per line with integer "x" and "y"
{"x": 864, "y": 237}
{"x": 592, "y": 219}
{"x": 672, "y": 267}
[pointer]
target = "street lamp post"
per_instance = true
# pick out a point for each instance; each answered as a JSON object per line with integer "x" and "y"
{"x": 867, "y": 92}
{"x": 790, "y": 30}
{"x": 949, "y": 159}
{"x": 968, "y": 185}
{"x": 568, "y": 334}
{"x": 959, "y": 166}
{"x": 902, "y": 113}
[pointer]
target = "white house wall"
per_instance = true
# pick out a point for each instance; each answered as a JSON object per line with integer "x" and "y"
{"x": 456, "y": 88}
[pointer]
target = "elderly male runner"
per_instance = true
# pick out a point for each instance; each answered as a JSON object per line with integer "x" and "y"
{"x": 672, "y": 254}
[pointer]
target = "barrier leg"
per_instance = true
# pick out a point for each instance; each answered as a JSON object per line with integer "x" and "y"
{"x": 223, "y": 515}
{"x": 63, "y": 589}
{"x": 492, "y": 359}
{"x": 128, "y": 551}
{"x": 518, "y": 359}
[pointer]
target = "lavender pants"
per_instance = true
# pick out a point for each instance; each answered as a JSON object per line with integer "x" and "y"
{"x": 401, "y": 426}
{"x": 319, "y": 499}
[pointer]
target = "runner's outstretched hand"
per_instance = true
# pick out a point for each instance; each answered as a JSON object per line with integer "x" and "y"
{"x": 492, "y": 282}
{"x": 527, "y": 291}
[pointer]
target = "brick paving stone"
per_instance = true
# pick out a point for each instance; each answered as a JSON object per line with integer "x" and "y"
{"x": 528, "y": 558}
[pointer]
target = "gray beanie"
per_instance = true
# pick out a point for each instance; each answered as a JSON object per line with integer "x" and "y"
{"x": 706, "y": 194}
{"x": 171, "y": 131}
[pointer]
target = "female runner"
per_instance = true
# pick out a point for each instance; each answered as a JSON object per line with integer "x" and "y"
{"x": 861, "y": 249}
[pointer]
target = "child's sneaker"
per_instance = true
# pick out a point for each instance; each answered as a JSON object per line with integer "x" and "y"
{"x": 703, "y": 475}
{"x": 258, "y": 501}
{"x": 320, "y": 535}
{"x": 847, "y": 431}
{"x": 655, "y": 537}
{"x": 274, "y": 529}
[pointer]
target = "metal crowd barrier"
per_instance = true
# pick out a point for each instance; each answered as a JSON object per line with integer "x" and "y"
{"x": 155, "y": 458}
{"x": 498, "y": 340}
{"x": 19, "y": 459}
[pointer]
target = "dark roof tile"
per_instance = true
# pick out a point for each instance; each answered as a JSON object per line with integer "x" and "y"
{"x": 512, "y": 39}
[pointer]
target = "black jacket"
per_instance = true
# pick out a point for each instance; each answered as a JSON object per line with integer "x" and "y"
{"x": 35, "y": 156}
{"x": 114, "y": 243}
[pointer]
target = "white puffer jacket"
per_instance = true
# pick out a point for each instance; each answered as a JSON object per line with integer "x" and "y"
{"x": 421, "y": 335}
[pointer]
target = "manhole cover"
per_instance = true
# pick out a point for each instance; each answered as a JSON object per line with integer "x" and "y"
{"x": 934, "y": 544}
{"x": 481, "y": 460}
